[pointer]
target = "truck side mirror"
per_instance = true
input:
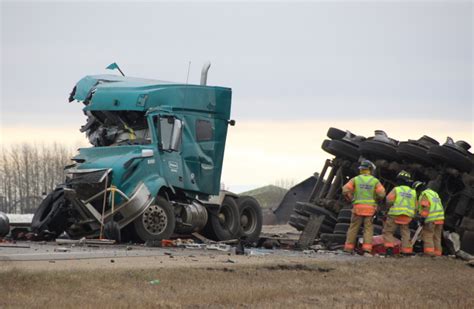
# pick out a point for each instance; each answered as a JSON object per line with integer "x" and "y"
{"x": 176, "y": 135}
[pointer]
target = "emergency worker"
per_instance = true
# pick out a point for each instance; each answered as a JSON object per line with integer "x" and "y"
{"x": 363, "y": 191}
{"x": 402, "y": 205}
{"x": 431, "y": 213}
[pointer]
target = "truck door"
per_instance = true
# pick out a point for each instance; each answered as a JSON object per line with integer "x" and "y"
{"x": 169, "y": 137}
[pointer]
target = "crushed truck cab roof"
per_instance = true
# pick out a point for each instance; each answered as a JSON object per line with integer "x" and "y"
{"x": 114, "y": 93}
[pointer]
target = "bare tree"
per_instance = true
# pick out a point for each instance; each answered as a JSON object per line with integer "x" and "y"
{"x": 27, "y": 172}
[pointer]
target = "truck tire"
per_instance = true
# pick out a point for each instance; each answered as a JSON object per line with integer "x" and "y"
{"x": 344, "y": 216}
{"x": 467, "y": 242}
{"x": 335, "y": 134}
{"x": 307, "y": 209}
{"x": 157, "y": 222}
{"x": 451, "y": 157}
{"x": 378, "y": 150}
{"x": 413, "y": 152}
{"x": 225, "y": 224}
{"x": 250, "y": 217}
{"x": 341, "y": 149}
{"x": 299, "y": 222}
{"x": 333, "y": 239}
{"x": 51, "y": 214}
{"x": 112, "y": 231}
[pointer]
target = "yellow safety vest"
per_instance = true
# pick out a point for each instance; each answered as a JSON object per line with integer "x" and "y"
{"x": 364, "y": 190}
{"x": 405, "y": 202}
{"x": 436, "y": 207}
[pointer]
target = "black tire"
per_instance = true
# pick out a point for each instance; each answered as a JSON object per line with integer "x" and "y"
{"x": 336, "y": 134}
{"x": 112, "y": 231}
{"x": 251, "y": 219}
{"x": 344, "y": 216}
{"x": 378, "y": 150}
{"x": 307, "y": 209}
{"x": 299, "y": 222}
{"x": 332, "y": 239}
{"x": 341, "y": 149}
{"x": 225, "y": 224}
{"x": 341, "y": 228}
{"x": 451, "y": 157}
{"x": 467, "y": 242}
{"x": 157, "y": 222}
{"x": 413, "y": 152}
{"x": 51, "y": 214}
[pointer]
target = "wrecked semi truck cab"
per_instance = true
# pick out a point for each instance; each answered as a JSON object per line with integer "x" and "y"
{"x": 154, "y": 168}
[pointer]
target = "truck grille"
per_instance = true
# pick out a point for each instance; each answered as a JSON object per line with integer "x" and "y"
{"x": 92, "y": 177}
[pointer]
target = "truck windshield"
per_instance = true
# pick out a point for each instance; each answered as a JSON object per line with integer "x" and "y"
{"x": 114, "y": 128}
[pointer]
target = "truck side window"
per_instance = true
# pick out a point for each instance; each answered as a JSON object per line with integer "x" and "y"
{"x": 203, "y": 130}
{"x": 169, "y": 133}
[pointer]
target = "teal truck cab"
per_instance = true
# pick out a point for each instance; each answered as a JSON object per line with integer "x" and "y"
{"x": 155, "y": 166}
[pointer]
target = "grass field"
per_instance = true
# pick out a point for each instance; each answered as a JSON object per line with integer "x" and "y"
{"x": 354, "y": 283}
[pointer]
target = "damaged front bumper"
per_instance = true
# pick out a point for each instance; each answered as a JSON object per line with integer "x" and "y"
{"x": 89, "y": 220}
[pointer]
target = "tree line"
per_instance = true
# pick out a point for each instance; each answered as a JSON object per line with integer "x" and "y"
{"x": 28, "y": 172}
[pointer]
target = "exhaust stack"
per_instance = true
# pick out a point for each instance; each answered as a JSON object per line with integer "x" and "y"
{"x": 204, "y": 71}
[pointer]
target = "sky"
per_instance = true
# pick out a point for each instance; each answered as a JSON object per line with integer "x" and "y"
{"x": 295, "y": 68}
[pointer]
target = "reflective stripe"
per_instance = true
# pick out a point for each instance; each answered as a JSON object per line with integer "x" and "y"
{"x": 367, "y": 247}
{"x": 364, "y": 190}
{"x": 407, "y": 250}
{"x": 389, "y": 244}
{"x": 405, "y": 202}
{"x": 428, "y": 250}
{"x": 436, "y": 210}
{"x": 348, "y": 246}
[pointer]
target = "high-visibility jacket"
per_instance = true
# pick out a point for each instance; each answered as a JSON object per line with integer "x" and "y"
{"x": 405, "y": 202}
{"x": 436, "y": 210}
{"x": 364, "y": 190}
{"x": 365, "y": 187}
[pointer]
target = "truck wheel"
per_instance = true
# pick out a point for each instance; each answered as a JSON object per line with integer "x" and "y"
{"x": 341, "y": 149}
{"x": 112, "y": 231}
{"x": 410, "y": 151}
{"x": 250, "y": 217}
{"x": 378, "y": 150}
{"x": 451, "y": 157}
{"x": 224, "y": 225}
{"x": 157, "y": 222}
{"x": 50, "y": 214}
{"x": 334, "y": 133}
{"x": 344, "y": 216}
{"x": 467, "y": 242}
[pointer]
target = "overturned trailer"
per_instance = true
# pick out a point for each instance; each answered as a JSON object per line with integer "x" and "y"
{"x": 447, "y": 168}
{"x": 155, "y": 166}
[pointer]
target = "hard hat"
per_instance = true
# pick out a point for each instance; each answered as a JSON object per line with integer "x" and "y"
{"x": 418, "y": 185}
{"x": 366, "y": 165}
{"x": 404, "y": 175}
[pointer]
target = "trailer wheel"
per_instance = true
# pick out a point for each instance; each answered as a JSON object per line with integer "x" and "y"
{"x": 378, "y": 150}
{"x": 414, "y": 152}
{"x": 451, "y": 157}
{"x": 334, "y": 133}
{"x": 341, "y": 149}
{"x": 225, "y": 224}
{"x": 467, "y": 242}
{"x": 250, "y": 217}
{"x": 50, "y": 214}
{"x": 299, "y": 222}
{"x": 307, "y": 209}
{"x": 157, "y": 222}
{"x": 344, "y": 216}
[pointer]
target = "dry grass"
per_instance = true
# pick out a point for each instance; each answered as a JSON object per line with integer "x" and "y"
{"x": 418, "y": 282}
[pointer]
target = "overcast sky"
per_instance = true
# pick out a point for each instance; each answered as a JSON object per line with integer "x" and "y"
{"x": 284, "y": 61}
